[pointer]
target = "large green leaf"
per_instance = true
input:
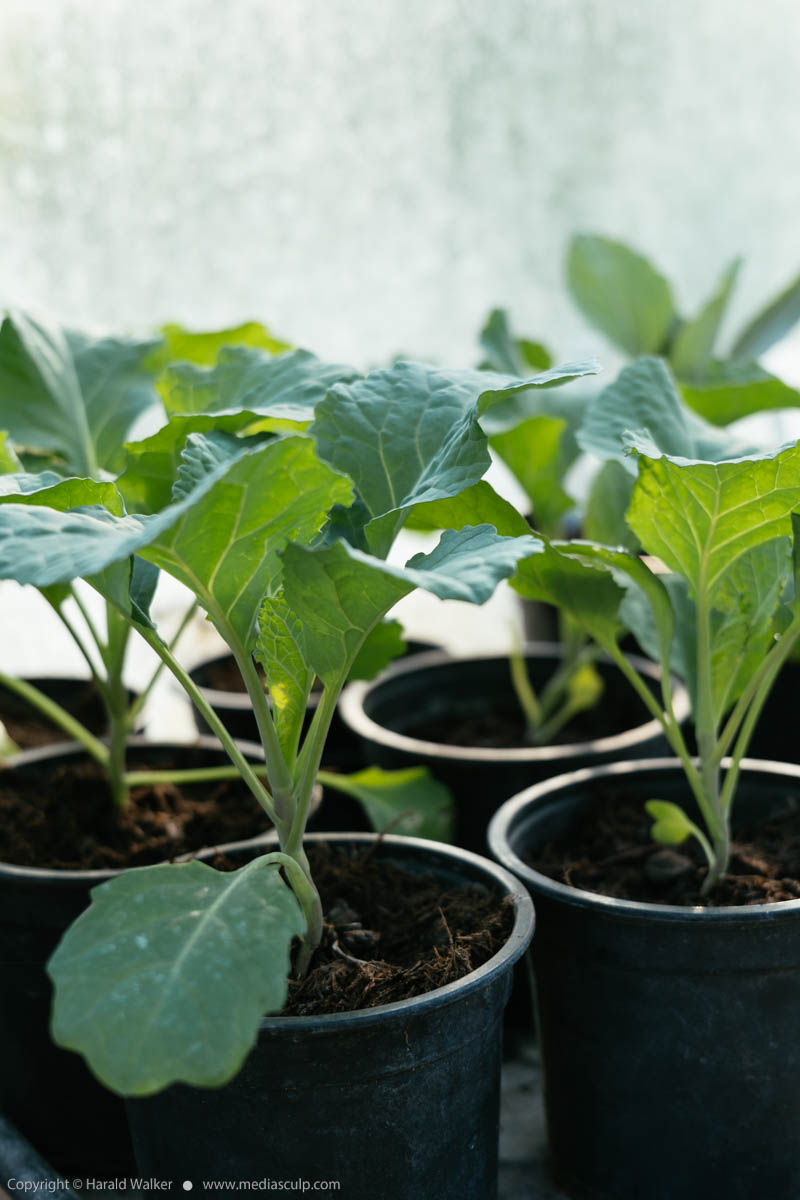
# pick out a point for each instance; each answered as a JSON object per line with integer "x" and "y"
{"x": 225, "y": 544}
{"x": 701, "y": 517}
{"x": 643, "y": 401}
{"x": 339, "y": 592}
{"x": 478, "y": 505}
{"x": 770, "y": 325}
{"x": 166, "y": 977}
{"x": 538, "y": 453}
{"x": 606, "y": 506}
{"x": 410, "y": 802}
{"x": 382, "y": 645}
{"x": 68, "y": 393}
{"x": 621, "y": 293}
{"x": 410, "y": 434}
{"x": 203, "y": 348}
{"x": 508, "y": 354}
{"x": 285, "y": 388}
{"x": 586, "y": 593}
{"x": 42, "y": 545}
{"x": 693, "y": 346}
{"x": 732, "y": 390}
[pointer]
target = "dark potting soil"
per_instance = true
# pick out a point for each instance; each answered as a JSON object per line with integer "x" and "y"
{"x": 29, "y": 729}
{"x": 502, "y": 726}
{"x": 389, "y": 933}
{"x": 611, "y": 852}
{"x": 63, "y": 817}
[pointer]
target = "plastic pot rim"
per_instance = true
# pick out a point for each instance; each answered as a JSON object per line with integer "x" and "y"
{"x": 351, "y": 706}
{"x": 46, "y": 875}
{"x": 511, "y": 813}
{"x": 512, "y": 949}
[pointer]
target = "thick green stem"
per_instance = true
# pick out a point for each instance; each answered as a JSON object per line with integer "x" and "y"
{"x": 310, "y": 758}
{"x": 278, "y": 773}
{"x": 118, "y": 633}
{"x": 303, "y": 887}
{"x": 244, "y": 768}
{"x": 58, "y": 715}
{"x": 526, "y": 696}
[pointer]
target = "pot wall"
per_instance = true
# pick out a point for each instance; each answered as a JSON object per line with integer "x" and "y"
{"x": 669, "y": 1035}
{"x": 396, "y": 1101}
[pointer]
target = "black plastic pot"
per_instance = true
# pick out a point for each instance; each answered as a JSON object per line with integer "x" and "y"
{"x": 775, "y": 735}
{"x": 669, "y": 1035}
{"x": 342, "y": 750}
{"x": 78, "y": 696}
{"x": 434, "y": 685}
{"x": 47, "y": 1092}
{"x": 393, "y": 1102}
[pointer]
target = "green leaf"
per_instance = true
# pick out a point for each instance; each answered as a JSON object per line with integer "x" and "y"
{"x": 701, "y": 517}
{"x": 671, "y": 825}
{"x": 280, "y": 648}
{"x": 478, "y": 505}
{"x": 606, "y": 506}
{"x": 286, "y": 388}
{"x": 166, "y": 977}
{"x": 538, "y": 453}
{"x": 508, "y": 354}
{"x": 203, "y": 348}
{"x": 693, "y": 345}
{"x": 542, "y": 395}
{"x": 587, "y": 594}
{"x": 68, "y": 393}
{"x": 621, "y": 294}
{"x": 770, "y": 325}
{"x": 732, "y": 390}
{"x": 339, "y": 592}
{"x": 409, "y": 802}
{"x": 643, "y": 402}
{"x": 410, "y": 434}
{"x": 638, "y": 616}
{"x": 225, "y": 544}
{"x": 382, "y": 645}
{"x": 9, "y": 463}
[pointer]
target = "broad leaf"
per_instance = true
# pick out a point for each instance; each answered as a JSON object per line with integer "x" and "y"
{"x": 508, "y": 354}
{"x": 339, "y": 592}
{"x": 478, "y": 505}
{"x": 606, "y": 506}
{"x": 538, "y": 453}
{"x": 410, "y": 802}
{"x": 71, "y": 394}
{"x": 587, "y": 594}
{"x": 770, "y": 325}
{"x": 280, "y": 648}
{"x": 621, "y": 293}
{"x": 285, "y": 388}
{"x": 701, "y": 517}
{"x": 382, "y": 645}
{"x": 644, "y": 401}
{"x": 693, "y": 346}
{"x": 203, "y": 348}
{"x": 225, "y": 544}
{"x": 732, "y": 390}
{"x": 166, "y": 977}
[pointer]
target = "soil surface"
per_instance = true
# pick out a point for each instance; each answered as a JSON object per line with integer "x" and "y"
{"x": 502, "y": 726}
{"x": 29, "y": 729}
{"x": 611, "y": 852}
{"x": 390, "y": 933}
{"x": 63, "y": 817}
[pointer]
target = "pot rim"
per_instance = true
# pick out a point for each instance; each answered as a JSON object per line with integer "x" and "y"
{"x": 513, "y": 810}
{"x": 512, "y": 949}
{"x": 45, "y": 875}
{"x": 353, "y": 712}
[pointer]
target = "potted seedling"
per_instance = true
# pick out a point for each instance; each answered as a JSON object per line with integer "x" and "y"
{"x": 283, "y": 538}
{"x": 112, "y": 804}
{"x": 667, "y": 917}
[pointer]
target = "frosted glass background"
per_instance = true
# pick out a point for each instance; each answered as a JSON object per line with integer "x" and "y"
{"x": 370, "y": 177}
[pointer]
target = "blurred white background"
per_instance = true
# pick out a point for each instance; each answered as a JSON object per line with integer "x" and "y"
{"x": 370, "y": 178}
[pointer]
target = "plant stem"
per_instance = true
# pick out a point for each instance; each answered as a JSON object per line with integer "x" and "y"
{"x": 99, "y": 682}
{"x": 309, "y": 900}
{"x": 278, "y": 773}
{"x": 528, "y": 700}
{"x": 244, "y": 768}
{"x": 58, "y": 715}
{"x": 308, "y": 762}
{"x": 144, "y": 695}
{"x": 117, "y": 645}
